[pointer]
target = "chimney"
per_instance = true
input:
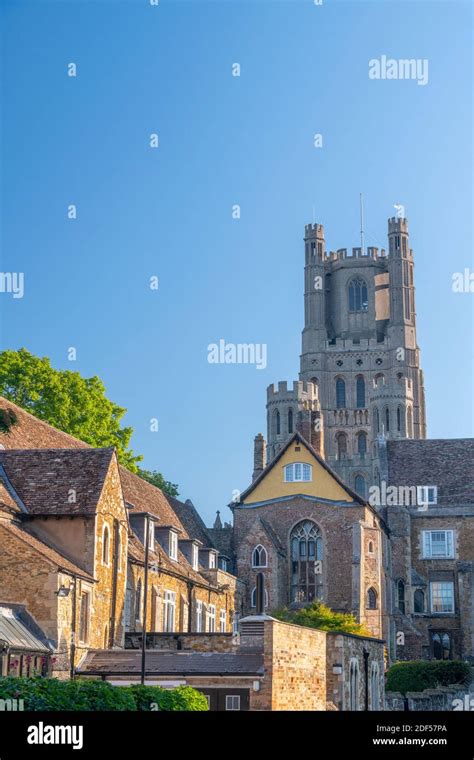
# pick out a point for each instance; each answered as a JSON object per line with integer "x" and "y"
{"x": 259, "y": 454}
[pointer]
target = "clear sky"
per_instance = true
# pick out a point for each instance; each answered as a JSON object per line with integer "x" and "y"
{"x": 225, "y": 140}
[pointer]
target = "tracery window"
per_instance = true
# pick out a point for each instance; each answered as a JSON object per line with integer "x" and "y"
{"x": 306, "y": 562}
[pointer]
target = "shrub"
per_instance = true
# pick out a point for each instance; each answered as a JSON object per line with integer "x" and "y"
{"x": 318, "y": 615}
{"x": 83, "y": 694}
{"x": 427, "y": 674}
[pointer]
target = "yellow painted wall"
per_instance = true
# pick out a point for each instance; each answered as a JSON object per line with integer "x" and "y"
{"x": 273, "y": 485}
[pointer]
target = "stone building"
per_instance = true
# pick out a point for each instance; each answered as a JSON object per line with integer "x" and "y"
{"x": 360, "y": 363}
{"x": 73, "y": 530}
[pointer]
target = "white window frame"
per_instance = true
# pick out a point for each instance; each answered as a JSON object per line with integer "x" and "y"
{"x": 298, "y": 472}
{"x": 151, "y": 536}
{"x": 432, "y": 608}
{"x": 253, "y": 598}
{"x": 223, "y": 621}
{"x": 423, "y": 496}
{"x": 427, "y": 544}
{"x": 211, "y": 618}
{"x": 169, "y": 611}
{"x": 173, "y": 545}
{"x": 261, "y": 550}
{"x": 195, "y": 556}
{"x": 212, "y": 560}
{"x": 199, "y": 617}
{"x": 232, "y": 697}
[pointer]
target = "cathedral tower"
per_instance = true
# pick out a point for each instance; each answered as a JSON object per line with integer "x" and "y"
{"x": 360, "y": 373}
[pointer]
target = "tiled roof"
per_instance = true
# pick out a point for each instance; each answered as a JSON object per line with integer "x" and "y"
{"x": 143, "y": 497}
{"x": 47, "y": 551}
{"x": 192, "y": 520}
{"x": 40, "y": 435}
{"x": 445, "y": 463}
{"x": 128, "y": 662}
{"x": 45, "y": 478}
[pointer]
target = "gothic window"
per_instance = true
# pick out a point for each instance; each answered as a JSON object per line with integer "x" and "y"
{"x": 315, "y": 382}
{"x": 441, "y": 644}
{"x": 362, "y": 444}
{"x": 253, "y": 597}
{"x": 419, "y": 601}
{"x": 290, "y": 421}
{"x": 105, "y": 545}
{"x": 374, "y": 687}
{"x": 354, "y": 685}
{"x": 360, "y": 392}
{"x": 376, "y": 420}
{"x": 138, "y": 601}
{"x": 259, "y": 556}
{"x": 306, "y": 557}
{"x": 387, "y": 420}
{"x": 359, "y": 485}
{"x": 276, "y": 422}
{"x": 399, "y": 419}
{"x": 371, "y": 599}
{"x": 379, "y": 380}
{"x": 358, "y": 299}
{"x": 409, "y": 423}
{"x": 371, "y": 547}
{"x": 341, "y": 441}
{"x": 401, "y": 595}
{"x": 340, "y": 393}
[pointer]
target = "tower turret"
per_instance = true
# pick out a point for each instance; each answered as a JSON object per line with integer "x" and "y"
{"x": 314, "y": 333}
{"x": 401, "y": 329}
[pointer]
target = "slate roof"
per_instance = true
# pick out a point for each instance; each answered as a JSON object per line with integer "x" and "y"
{"x": 19, "y": 631}
{"x": 43, "y": 548}
{"x": 192, "y": 521}
{"x": 445, "y": 463}
{"x": 159, "y": 663}
{"x": 43, "y": 478}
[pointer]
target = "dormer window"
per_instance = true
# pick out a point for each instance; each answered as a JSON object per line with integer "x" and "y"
{"x": 212, "y": 560}
{"x": 151, "y": 536}
{"x": 298, "y": 471}
{"x": 195, "y": 557}
{"x": 173, "y": 545}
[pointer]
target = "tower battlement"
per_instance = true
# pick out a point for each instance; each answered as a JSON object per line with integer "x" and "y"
{"x": 397, "y": 224}
{"x": 300, "y": 391}
{"x": 313, "y": 231}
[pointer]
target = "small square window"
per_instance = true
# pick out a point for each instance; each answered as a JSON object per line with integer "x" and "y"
{"x": 232, "y": 702}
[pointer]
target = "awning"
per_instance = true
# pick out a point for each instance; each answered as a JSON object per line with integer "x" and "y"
{"x": 19, "y": 631}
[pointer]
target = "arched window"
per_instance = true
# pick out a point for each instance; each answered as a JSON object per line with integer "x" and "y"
{"x": 441, "y": 644}
{"x": 419, "y": 601}
{"x": 401, "y": 595}
{"x": 399, "y": 419}
{"x": 276, "y": 422}
{"x": 379, "y": 380}
{"x": 358, "y": 300}
{"x": 371, "y": 547}
{"x": 340, "y": 393}
{"x": 354, "y": 685}
{"x": 315, "y": 382}
{"x": 387, "y": 419}
{"x": 306, "y": 562}
{"x": 362, "y": 444}
{"x": 409, "y": 422}
{"x": 138, "y": 601}
{"x": 360, "y": 392}
{"x": 376, "y": 420}
{"x": 290, "y": 421}
{"x": 105, "y": 545}
{"x": 374, "y": 687}
{"x": 253, "y": 598}
{"x": 259, "y": 556}
{"x": 359, "y": 485}
{"x": 341, "y": 441}
{"x": 371, "y": 599}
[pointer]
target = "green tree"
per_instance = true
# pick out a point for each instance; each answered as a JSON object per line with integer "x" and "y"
{"x": 318, "y": 615}
{"x": 71, "y": 403}
{"x": 157, "y": 479}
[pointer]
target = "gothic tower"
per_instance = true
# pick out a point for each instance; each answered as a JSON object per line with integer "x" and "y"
{"x": 360, "y": 373}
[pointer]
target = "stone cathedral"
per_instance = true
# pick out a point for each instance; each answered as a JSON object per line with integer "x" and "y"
{"x": 360, "y": 373}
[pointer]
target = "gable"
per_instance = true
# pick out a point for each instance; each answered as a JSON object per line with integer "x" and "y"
{"x": 271, "y": 485}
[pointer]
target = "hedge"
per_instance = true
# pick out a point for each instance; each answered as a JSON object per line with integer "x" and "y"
{"x": 418, "y": 675}
{"x": 84, "y": 694}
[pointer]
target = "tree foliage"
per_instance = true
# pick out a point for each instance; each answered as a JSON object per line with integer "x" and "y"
{"x": 73, "y": 404}
{"x": 318, "y": 615}
{"x": 417, "y": 675}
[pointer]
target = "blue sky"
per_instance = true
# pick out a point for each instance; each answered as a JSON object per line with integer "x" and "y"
{"x": 225, "y": 140}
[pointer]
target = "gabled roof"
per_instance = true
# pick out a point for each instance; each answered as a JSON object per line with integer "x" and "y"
{"x": 192, "y": 520}
{"x": 445, "y": 463}
{"x": 45, "y": 479}
{"x": 51, "y": 555}
{"x": 297, "y": 437}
